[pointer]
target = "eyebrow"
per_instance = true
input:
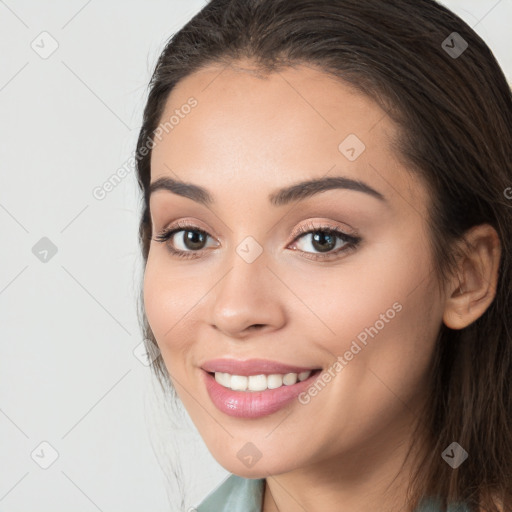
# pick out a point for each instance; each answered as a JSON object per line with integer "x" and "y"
{"x": 293, "y": 193}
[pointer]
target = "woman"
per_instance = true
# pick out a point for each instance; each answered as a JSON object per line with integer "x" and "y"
{"x": 326, "y": 233}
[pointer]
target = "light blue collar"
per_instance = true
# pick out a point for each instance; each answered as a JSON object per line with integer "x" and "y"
{"x": 235, "y": 494}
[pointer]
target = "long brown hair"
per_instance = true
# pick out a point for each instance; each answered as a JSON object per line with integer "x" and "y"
{"x": 455, "y": 118}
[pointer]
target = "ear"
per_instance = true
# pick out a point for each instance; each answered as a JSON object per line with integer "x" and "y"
{"x": 473, "y": 290}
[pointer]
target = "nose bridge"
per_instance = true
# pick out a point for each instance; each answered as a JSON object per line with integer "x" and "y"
{"x": 247, "y": 294}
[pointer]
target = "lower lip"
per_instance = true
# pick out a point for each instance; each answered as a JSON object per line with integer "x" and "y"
{"x": 254, "y": 404}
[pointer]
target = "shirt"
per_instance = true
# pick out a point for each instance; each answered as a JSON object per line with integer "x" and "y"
{"x": 237, "y": 494}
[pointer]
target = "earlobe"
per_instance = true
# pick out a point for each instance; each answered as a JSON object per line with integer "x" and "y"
{"x": 474, "y": 289}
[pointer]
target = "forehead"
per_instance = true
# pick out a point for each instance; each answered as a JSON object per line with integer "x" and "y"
{"x": 252, "y": 131}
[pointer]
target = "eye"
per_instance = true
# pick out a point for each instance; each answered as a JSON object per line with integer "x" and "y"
{"x": 190, "y": 242}
{"x": 324, "y": 239}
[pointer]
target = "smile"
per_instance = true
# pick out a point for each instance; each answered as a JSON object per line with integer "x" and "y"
{"x": 260, "y": 382}
{"x": 254, "y": 396}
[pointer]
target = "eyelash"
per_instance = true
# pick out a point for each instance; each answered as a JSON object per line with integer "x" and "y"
{"x": 351, "y": 240}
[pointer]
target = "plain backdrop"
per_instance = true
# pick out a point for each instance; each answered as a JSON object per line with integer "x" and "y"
{"x": 82, "y": 427}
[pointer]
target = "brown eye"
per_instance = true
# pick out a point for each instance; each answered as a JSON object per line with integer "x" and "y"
{"x": 324, "y": 240}
{"x": 193, "y": 240}
{"x": 184, "y": 240}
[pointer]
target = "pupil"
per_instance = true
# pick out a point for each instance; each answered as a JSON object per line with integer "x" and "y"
{"x": 322, "y": 237}
{"x": 192, "y": 238}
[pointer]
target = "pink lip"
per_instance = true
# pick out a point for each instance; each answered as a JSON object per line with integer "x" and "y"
{"x": 251, "y": 367}
{"x": 253, "y": 404}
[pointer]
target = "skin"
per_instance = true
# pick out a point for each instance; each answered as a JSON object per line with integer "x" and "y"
{"x": 246, "y": 138}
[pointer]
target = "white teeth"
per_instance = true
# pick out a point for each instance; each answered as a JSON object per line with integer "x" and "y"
{"x": 274, "y": 381}
{"x": 223, "y": 379}
{"x": 290, "y": 378}
{"x": 239, "y": 382}
{"x": 304, "y": 375}
{"x": 256, "y": 383}
{"x": 259, "y": 382}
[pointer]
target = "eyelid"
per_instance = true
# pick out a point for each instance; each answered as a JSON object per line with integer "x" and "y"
{"x": 169, "y": 231}
{"x": 322, "y": 225}
{"x": 187, "y": 224}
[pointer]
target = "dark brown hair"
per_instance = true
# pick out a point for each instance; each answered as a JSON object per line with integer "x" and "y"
{"x": 455, "y": 121}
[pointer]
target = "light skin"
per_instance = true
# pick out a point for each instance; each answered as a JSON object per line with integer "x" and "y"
{"x": 246, "y": 138}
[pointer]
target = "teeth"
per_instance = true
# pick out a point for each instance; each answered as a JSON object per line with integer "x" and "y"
{"x": 239, "y": 382}
{"x": 290, "y": 378}
{"x": 274, "y": 381}
{"x": 304, "y": 375}
{"x": 256, "y": 383}
{"x": 259, "y": 382}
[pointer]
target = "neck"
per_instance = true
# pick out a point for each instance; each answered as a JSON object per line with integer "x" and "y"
{"x": 368, "y": 478}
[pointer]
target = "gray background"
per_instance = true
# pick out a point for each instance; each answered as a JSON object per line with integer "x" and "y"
{"x": 69, "y": 375}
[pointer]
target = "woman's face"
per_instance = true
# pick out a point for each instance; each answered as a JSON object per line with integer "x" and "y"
{"x": 251, "y": 286}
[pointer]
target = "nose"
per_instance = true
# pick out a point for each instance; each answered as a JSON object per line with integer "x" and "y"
{"x": 248, "y": 298}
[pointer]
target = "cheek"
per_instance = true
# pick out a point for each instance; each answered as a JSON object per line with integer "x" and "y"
{"x": 385, "y": 315}
{"x": 167, "y": 299}
{"x": 380, "y": 312}
{"x": 379, "y": 280}
{"x": 391, "y": 311}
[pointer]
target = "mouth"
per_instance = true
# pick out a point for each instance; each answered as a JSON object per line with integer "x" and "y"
{"x": 255, "y": 396}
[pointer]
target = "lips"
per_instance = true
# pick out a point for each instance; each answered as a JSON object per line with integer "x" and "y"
{"x": 254, "y": 403}
{"x": 252, "y": 367}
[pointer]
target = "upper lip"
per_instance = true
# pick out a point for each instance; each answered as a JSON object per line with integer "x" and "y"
{"x": 251, "y": 367}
